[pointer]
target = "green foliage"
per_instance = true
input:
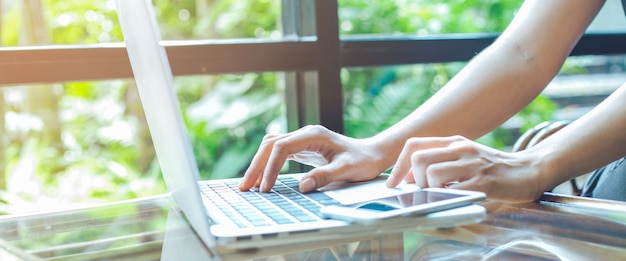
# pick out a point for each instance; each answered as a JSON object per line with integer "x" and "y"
{"x": 102, "y": 149}
{"x": 391, "y": 94}
{"x": 101, "y": 155}
{"x": 376, "y": 98}
{"x": 425, "y": 16}
{"x": 227, "y": 123}
{"x": 11, "y": 23}
{"x": 218, "y": 19}
{"x": 76, "y": 21}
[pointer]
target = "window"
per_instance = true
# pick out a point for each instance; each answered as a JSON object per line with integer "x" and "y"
{"x": 298, "y": 61}
{"x": 424, "y": 17}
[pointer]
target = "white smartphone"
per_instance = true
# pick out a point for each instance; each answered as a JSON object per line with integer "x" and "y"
{"x": 418, "y": 202}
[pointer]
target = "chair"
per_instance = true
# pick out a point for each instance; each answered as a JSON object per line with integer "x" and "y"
{"x": 537, "y": 134}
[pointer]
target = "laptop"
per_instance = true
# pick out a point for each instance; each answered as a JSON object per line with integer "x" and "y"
{"x": 213, "y": 207}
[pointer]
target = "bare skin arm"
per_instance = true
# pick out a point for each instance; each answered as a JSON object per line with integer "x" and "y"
{"x": 496, "y": 84}
{"x": 594, "y": 140}
{"x": 501, "y": 80}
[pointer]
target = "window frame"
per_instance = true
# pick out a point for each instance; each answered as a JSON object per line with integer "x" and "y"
{"x": 312, "y": 53}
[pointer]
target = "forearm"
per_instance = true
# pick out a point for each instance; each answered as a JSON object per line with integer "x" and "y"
{"x": 501, "y": 80}
{"x": 594, "y": 140}
{"x": 477, "y": 100}
{"x": 474, "y": 102}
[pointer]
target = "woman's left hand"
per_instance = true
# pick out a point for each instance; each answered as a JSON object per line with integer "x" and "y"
{"x": 459, "y": 163}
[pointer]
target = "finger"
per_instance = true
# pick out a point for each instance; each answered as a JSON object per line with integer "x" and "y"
{"x": 310, "y": 158}
{"x": 340, "y": 168}
{"x": 422, "y": 161}
{"x": 400, "y": 171}
{"x": 301, "y": 140}
{"x": 467, "y": 184}
{"x": 444, "y": 174}
{"x": 409, "y": 177}
{"x": 317, "y": 178}
{"x": 463, "y": 163}
{"x": 472, "y": 183}
{"x": 252, "y": 176}
{"x": 275, "y": 162}
{"x": 403, "y": 166}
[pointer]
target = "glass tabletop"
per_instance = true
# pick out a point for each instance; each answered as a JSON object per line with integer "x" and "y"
{"x": 554, "y": 228}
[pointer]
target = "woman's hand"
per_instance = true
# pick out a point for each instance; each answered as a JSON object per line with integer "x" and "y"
{"x": 457, "y": 162}
{"x": 335, "y": 156}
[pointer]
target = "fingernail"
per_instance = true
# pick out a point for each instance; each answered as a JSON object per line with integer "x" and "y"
{"x": 307, "y": 184}
{"x": 263, "y": 187}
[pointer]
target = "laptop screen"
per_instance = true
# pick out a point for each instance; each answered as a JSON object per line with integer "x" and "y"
{"x": 154, "y": 80}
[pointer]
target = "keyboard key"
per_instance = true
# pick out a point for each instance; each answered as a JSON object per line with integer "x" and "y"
{"x": 283, "y": 205}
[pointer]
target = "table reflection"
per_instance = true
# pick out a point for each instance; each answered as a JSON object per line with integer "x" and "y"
{"x": 180, "y": 242}
{"x": 556, "y": 228}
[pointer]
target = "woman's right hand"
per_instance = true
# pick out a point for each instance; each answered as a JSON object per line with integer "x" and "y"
{"x": 335, "y": 157}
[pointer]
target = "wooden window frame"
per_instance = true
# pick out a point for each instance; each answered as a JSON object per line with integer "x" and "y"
{"x": 312, "y": 54}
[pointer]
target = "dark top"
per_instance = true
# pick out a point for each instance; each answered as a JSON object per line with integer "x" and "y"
{"x": 608, "y": 182}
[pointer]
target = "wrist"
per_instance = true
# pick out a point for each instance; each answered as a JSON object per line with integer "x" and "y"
{"x": 386, "y": 149}
{"x": 546, "y": 168}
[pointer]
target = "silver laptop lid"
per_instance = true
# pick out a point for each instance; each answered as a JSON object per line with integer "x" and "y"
{"x": 154, "y": 80}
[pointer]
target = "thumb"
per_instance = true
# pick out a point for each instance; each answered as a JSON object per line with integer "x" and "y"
{"x": 316, "y": 178}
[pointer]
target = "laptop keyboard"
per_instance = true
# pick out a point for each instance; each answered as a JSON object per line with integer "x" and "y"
{"x": 284, "y": 204}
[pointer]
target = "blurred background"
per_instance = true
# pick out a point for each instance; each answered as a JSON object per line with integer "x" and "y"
{"x": 72, "y": 144}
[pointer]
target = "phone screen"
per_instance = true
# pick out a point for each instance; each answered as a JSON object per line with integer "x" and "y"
{"x": 419, "y": 197}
